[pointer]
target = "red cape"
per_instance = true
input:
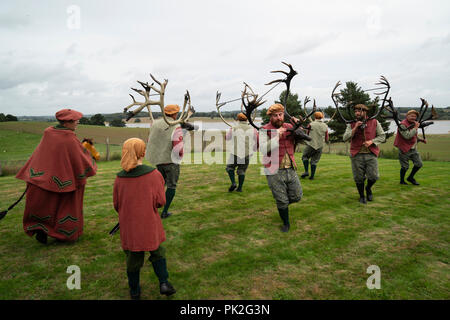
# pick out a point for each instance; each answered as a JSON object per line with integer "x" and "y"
{"x": 59, "y": 163}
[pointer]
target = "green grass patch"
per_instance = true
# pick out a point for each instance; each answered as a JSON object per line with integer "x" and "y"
{"x": 223, "y": 245}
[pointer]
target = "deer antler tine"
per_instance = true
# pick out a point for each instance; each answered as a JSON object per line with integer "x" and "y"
{"x": 159, "y": 83}
{"x": 280, "y": 71}
{"x": 274, "y": 81}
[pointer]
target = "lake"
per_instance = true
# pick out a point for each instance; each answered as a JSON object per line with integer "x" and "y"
{"x": 439, "y": 126}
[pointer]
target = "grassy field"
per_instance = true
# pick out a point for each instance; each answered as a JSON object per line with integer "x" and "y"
{"x": 224, "y": 245}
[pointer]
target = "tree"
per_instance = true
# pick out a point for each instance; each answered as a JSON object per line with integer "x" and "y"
{"x": 2, "y": 117}
{"x": 97, "y": 120}
{"x": 293, "y": 106}
{"x": 350, "y": 96}
{"x": 117, "y": 123}
{"x": 10, "y": 117}
{"x": 84, "y": 120}
{"x": 137, "y": 120}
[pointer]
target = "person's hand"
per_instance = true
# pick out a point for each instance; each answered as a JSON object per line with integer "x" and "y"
{"x": 416, "y": 124}
{"x": 281, "y": 131}
{"x": 358, "y": 123}
{"x": 294, "y": 119}
{"x": 368, "y": 143}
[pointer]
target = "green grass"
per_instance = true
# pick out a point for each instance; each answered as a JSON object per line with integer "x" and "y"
{"x": 224, "y": 245}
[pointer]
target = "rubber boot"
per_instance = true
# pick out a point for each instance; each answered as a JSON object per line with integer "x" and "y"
{"x": 284, "y": 215}
{"x": 160, "y": 268}
{"x": 241, "y": 179}
{"x": 370, "y": 183}
{"x": 232, "y": 179}
{"x": 133, "y": 283}
{"x": 313, "y": 171}
{"x": 170, "y": 194}
{"x": 402, "y": 175}
{"x": 306, "y": 165}
{"x": 411, "y": 176}
{"x": 362, "y": 198}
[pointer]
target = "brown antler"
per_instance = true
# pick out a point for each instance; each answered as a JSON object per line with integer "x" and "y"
{"x": 333, "y": 97}
{"x": 185, "y": 114}
{"x": 250, "y": 105}
{"x": 220, "y": 105}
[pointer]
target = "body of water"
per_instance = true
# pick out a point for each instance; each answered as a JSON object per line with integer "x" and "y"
{"x": 439, "y": 126}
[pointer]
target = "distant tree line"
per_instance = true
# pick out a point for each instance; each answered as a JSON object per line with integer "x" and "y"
{"x": 8, "y": 117}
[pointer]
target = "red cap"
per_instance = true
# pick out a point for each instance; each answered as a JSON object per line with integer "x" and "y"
{"x": 68, "y": 115}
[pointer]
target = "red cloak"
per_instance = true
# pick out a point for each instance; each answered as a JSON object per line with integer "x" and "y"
{"x": 137, "y": 195}
{"x": 56, "y": 175}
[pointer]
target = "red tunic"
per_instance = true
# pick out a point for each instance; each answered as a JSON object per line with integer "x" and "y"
{"x": 286, "y": 145}
{"x": 403, "y": 144}
{"x": 136, "y": 198}
{"x": 369, "y": 133}
{"x": 56, "y": 175}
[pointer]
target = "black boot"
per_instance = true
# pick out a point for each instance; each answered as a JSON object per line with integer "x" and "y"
{"x": 402, "y": 175}
{"x": 284, "y": 215}
{"x": 160, "y": 268}
{"x": 362, "y": 198}
{"x": 411, "y": 176}
{"x": 41, "y": 236}
{"x": 133, "y": 283}
{"x": 306, "y": 165}
{"x": 241, "y": 179}
{"x": 370, "y": 183}
{"x": 313, "y": 171}
{"x": 170, "y": 194}
{"x": 233, "y": 181}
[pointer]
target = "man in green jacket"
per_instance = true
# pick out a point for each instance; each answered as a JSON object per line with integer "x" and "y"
{"x": 241, "y": 142}
{"x": 165, "y": 151}
{"x": 318, "y": 131}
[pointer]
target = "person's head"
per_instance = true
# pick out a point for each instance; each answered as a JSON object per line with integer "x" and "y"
{"x": 412, "y": 116}
{"x": 276, "y": 113}
{"x": 133, "y": 151}
{"x": 171, "y": 110}
{"x": 68, "y": 118}
{"x": 241, "y": 117}
{"x": 360, "y": 111}
{"x": 318, "y": 115}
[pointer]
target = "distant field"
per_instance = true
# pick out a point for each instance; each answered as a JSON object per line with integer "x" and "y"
{"x": 223, "y": 245}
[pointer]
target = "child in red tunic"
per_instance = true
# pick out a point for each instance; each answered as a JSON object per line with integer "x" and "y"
{"x": 138, "y": 192}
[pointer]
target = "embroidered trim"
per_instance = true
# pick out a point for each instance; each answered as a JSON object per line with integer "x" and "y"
{"x": 60, "y": 183}
{"x": 40, "y": 218}
{"x": 83, "y": 175}
{"x": 67, "y": 233}
{"x": 34, "y": 174}
{"x": 68, "y": 217}
{"x": 35, "y": 226}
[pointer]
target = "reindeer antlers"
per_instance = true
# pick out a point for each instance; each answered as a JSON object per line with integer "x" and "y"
{"x": 185, "y": 115}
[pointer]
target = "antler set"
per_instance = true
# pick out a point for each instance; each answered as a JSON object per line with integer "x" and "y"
{"x": 185, "y": 114}
{"x": 250, "y": 101}
{"x": 423, "y": 122}
{"x": 385, "y": 85}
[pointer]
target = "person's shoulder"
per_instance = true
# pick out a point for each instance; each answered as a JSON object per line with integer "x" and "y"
{"x": 287, "y": 125}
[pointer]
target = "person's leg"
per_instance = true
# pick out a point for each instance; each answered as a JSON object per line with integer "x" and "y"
{"x": 314, "y": 161}
{"x": 358, "y": 170}
{"x": 158, "y": 260}
{"x": 305, "y": 158}
{"x": 404, "y": 165}
{"x": 173, "y": 173}
{"x": 417, "y": 161}
{"x": 372, "y": 174}
{"x": 135, "y": 261}
{"x": 231, "y": 166}
{"x": 277, "y": 184}
{"x": 242, "y": 168}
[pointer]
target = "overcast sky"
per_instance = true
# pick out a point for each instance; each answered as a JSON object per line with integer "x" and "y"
{"x": 87, "y": 54}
